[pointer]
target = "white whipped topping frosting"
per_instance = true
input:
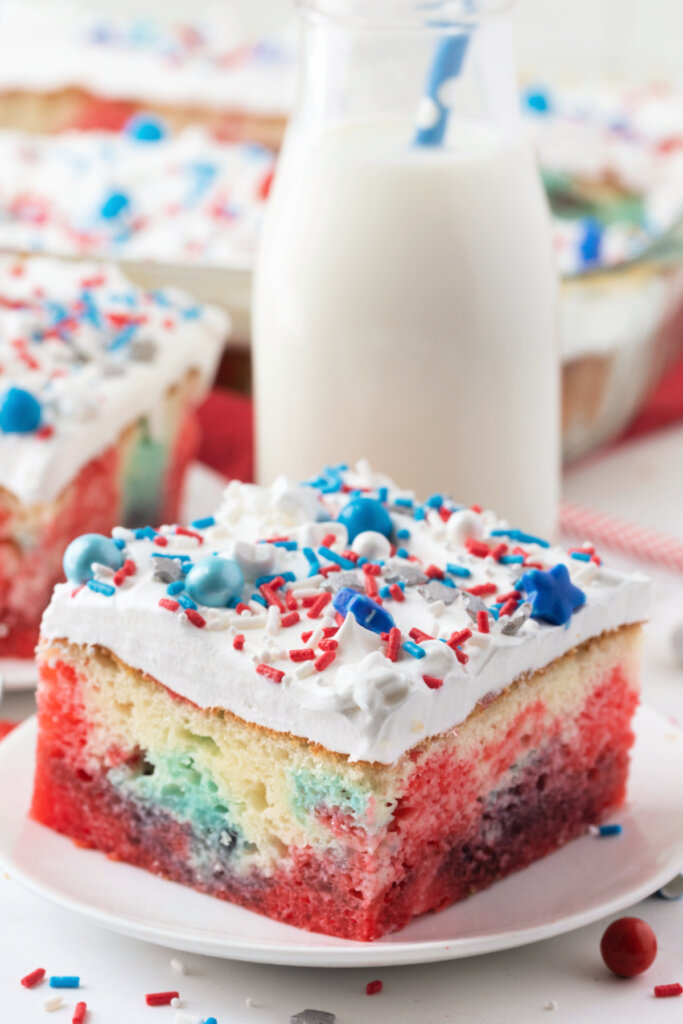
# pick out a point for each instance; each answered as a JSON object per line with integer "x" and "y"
{"x": 362, "y": 704}
{"x": 208, "y": 58}
{"x": 98, "y": 353}
{"x": 184, "y": 199}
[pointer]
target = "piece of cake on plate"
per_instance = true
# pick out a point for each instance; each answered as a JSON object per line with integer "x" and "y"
{"x": 98, "y": 386}
{"x": 334, "y": 704}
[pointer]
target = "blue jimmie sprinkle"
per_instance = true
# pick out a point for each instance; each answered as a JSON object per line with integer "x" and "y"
{"x": 445, "y": 582}
{"x": 457, "y": 570}
{"x": 114, "y": 204}
{"x": 186, "y": 601}
{"x": 120, "y": 543}
{"x": 581, "y": 556}
{"x": 403, "y": 534}
{"x": 203, "y": 524}
{"x": 419, "y": 514}
{"x": 210, "y": 1020}
{"x": 145, "y": 533}
{"x": 288, "y": 545}
{"x": 435, "y": 501}
{"x": 260, "y": 599}
{"x": 177, "y": 558}
{"x": 610, "y": 830}
{"x": 404, "y": 502}
{"x": 101, "y": 588}
{"x": 385, "y": 591}
{"x": 413, "y": 649}
{"x": 495, "y": 610}
{"x": 383, "y": 494}
{"x": 403, "y": 553}
{"x": 310, "y": 556}
{"x": 591, "y": 241}
{"x": 521, "y": 537}
{"x": 65, "y": 981}
{"x": 511, "y": 559}
{"x": 175, "y": 588}
{"x": 332, "y": 556}
{"x": 538, "y": 99}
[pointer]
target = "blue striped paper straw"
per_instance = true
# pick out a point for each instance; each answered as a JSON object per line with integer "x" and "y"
{"x": 447, "y": 64}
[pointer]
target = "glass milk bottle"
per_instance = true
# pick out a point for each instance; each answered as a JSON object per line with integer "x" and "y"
{"x": 405, "y": 296}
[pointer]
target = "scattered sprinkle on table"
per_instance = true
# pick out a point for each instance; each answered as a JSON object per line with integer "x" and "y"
{"x": 373, "y": 987}
{"x": 160, "y": 998}
{"x": 33, "y": 978}
{"x": 52, "y": 1003}
{"x": 64, "y": 981}
{"x": 80, "y": 1011}
{"x": 666, "y": 991}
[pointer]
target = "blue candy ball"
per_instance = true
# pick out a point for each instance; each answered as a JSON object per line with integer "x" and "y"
{"x": 145, "y": 128}
{"x": 215, "y": 581}
{"x": 365, "y": 611}
{"x": 114, "y": 204}
{"x": 363, "y": 514}
{"x": 20, "y": 412}
{"x": 87, "y": 549}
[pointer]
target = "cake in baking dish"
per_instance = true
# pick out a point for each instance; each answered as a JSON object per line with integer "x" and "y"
{"x": 333, "y": 704}
{"x": 98, "y": 383}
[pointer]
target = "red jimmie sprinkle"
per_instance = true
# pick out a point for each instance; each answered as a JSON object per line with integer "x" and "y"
{"x": 461, "y": 656}
{"x": 393, "y": 644}
{"x": 184, "y": 532}
{"x": 325, "y": 570}
{"x": 396, "y": 592}
{"x": 329, "y": 631}
{"x": 483, "y": 621}
{"x": 46, "y": 431}
{"x": 445, "y": 513}
{"x": 459, "y": 637}
{"x": 80, "y": 1011}
{"x": 306, "y": 636}
{"x": 325, "y": 660}
{"x": 160, "y": 998}
{"x": 119, "y": 577}
{"x": 317, "y": 607}
{"x": 508, "y": 608}
{"x": 513, "y": 595}
{"x": 482, "y": 589}
{"x": 498, "y": 551}
{"x": 302, "y": 654}
{"x": 290, "y": 619}
{"x": 666, "y": 991}
{"x": 373, "y": 987}
{"x": 370, "y": 569}
{"x": 33, "y": 978}
{"x": 328, "y": 644}
{"x": 371, "y": 586}
{"x": 328, "y": 540}
{"x": 434, "y": 572}
{"x": 161, "y": 542}
{"x": 238, "y": 642}
{"x": 433, "y": 683}
{"x": 418, "y": 636}
{"x": 195, "y": 618}
{"x": 271, "y": 597}
{"x": 242, "y": 607}
{"x": 477, "y": 548}
{"x": 274, "y": 674}
{"x": 168, "y": 604}
{"x": 291, "y": 601}
{"x": 128, "y": 567}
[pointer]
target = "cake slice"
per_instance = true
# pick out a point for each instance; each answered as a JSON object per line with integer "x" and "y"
{"x": 333, "y": 704}
{"x": 98, "y": 384}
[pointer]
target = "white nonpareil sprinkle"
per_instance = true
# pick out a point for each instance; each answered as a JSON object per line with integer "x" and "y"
{"x": 53, "y": 1003}
{"x": 184, "y": 1018}
{"x": 178, "y": 966}
{"x": 552, "y": 1005}
{"x": 175, "y": 1002}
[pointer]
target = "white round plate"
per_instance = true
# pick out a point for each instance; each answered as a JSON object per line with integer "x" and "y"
{"x": 203, "y": 492}
{"x": 587, "y": 880}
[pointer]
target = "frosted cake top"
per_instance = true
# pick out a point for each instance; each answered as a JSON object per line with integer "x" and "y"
{"x": 83, "y": 354}
{"x": 341, "y": 610}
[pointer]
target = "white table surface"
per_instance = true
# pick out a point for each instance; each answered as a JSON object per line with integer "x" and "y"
{"x": 513, "y": 987}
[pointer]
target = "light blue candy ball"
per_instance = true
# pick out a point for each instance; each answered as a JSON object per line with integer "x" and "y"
{"x": 363, "y": 514}
{"x": 215, "y": 581}
{"x": 87, "y": 549}
{"x": 20, "y": 412}
{"x": 145, "y": 128}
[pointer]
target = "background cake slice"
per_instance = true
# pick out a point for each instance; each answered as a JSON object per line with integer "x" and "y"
{"x": 333, "y": 704}
{"x": 98, "y": 386}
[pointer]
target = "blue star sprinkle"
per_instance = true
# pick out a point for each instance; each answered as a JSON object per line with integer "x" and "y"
{"x": 553, "y": 596}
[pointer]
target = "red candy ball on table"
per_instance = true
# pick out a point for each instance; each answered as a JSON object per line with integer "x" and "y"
{"x": 628, "y": 946}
